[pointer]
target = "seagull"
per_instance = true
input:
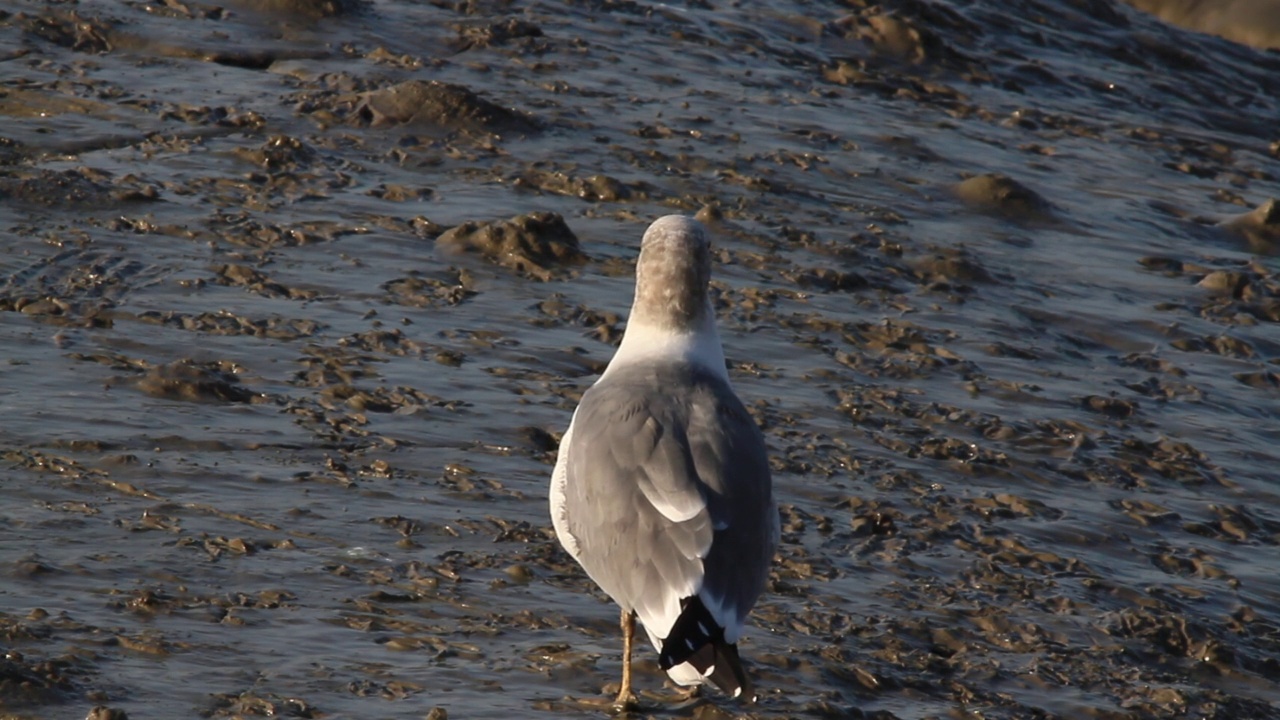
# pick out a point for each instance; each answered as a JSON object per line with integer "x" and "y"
{"x": 661, "y": 490}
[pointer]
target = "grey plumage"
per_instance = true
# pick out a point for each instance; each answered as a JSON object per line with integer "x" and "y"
{"x": 637, "y": 447}
{"x": 662, "y": 488}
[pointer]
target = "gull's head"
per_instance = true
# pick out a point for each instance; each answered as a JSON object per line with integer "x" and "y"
{"x": 672, "y": 275}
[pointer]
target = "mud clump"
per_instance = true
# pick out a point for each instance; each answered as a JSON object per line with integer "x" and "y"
{"x": 304, "y": 9}
{"x": 536, "y": 245}
{"x": 69, "y": 30}
{"x": 594, "y": 188}
{"x": 258, "y": 282}
{"x": 1224, "y": 282}
{"x": 31, "y": 682}
{"x": 1110, "y": 406}
{"x": 438, "y": 104}
{"x": 498, "y": 32}
{"x": 1242, "y": 21}
{"x": 1003, "y": 195}
{"x": 948, "y": 266}
{"x": 402, "y": 400}
{"x": 1260, "y": 227}
{"x": 279, "y": 153}
{"x": 1230, "y": 292}
{"x": 258, "y": 705}
{"x": 451, "y": 287}
{"x": 824, "y": 279}
{"x": 185, "y": 380}
{"x": 894, "y": 36}
{"x": 81, "y": 187}
{"x": 226, "y": 323}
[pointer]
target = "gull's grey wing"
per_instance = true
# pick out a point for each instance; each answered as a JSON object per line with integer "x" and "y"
{"x": 667, "y": 494}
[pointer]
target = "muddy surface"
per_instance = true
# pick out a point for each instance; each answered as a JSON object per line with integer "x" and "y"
{"x": 1252, "y": 22}
{"x": 296, "y": 298}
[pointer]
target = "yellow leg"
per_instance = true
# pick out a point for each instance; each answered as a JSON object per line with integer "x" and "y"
{"x": 626, "y": 699}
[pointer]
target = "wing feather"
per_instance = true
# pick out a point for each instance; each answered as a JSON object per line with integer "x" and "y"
{"x": 663, "y": 492}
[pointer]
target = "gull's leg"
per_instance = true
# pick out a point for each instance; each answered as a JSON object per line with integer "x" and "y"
{"x": 626, "y": 699}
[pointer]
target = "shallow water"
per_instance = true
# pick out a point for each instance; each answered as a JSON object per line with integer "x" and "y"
{"x": 269, "y": 448}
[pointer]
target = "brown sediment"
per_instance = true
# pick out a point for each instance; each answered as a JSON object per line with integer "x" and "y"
{"x": 437, "y": 104}
{"x": 1004, "y": 195}
{"x": 538, "y": 245}
{"x": 1251, "y": 22}
{"x": 1260, "y": 227}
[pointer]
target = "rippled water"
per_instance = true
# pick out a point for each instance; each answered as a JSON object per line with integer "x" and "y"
{"x": 269, "y": 448}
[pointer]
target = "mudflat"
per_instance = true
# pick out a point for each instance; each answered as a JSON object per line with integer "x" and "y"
{"x": 297, "y": 297}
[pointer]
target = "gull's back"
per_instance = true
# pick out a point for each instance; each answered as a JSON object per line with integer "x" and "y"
{"x": 667, "y": 495}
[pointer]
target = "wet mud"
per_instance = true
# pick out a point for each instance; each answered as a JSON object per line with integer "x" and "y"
{"x": 297, "y": 297}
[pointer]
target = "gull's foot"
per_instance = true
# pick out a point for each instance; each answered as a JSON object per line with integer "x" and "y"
{"x": 626, "y": 702}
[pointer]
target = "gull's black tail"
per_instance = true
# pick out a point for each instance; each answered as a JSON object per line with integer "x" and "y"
{"x": 696, "y": 638}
